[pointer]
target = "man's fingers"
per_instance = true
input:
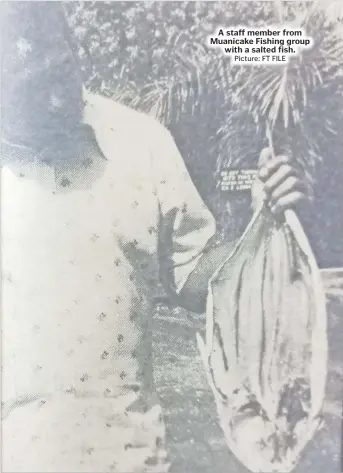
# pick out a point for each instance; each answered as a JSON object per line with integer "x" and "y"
{"x": 286, "y": 202}
{"x": 269, "y": 167}
{"x": 284, "y": 172}
{"x": 281, "y": 181}
{"x": 265, "y": 155}
{"x": 289, "y": 185}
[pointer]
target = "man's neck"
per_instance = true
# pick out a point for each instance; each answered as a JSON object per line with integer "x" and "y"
{"x": 62, "y": 146}
{"x": 73, "y": 164}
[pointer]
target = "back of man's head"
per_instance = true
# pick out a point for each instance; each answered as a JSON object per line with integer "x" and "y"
{"x": 41, "y": 96}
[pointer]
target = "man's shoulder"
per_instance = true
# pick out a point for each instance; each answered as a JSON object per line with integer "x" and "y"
{"x": 101, "y": 111}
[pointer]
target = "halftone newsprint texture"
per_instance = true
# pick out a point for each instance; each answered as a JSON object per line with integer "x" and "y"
{"x": 171, "y": 236}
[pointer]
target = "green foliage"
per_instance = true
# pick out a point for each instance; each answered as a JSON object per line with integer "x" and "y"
{"x": 153, "y": 56}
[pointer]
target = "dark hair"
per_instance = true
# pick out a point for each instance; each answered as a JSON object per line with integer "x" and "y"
{"x": 41, "y": 96}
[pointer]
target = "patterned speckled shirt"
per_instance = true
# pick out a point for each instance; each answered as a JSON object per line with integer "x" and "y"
{"x": 83, "y": 249}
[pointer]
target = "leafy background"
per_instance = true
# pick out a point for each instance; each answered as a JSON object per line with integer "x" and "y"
{"x": 153, "y": 56}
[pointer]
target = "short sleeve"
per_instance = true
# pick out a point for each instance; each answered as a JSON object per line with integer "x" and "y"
{"x": 186, "y": 224}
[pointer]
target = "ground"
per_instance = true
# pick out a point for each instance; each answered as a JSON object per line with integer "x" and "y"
{"x": 196, "y": 442}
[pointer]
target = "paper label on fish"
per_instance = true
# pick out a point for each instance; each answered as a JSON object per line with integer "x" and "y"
{"x": 233, "y": 180}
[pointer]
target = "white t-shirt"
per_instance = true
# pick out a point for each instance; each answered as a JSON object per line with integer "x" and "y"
{"x": 83, "y": 249}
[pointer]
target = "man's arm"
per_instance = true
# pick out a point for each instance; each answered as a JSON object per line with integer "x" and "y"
{"x": 187, "y": 259}
{"x": 193, "y": 295}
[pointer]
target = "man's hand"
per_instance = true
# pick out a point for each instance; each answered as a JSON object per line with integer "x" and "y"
{"x": 279, "y": 183}
{"x": 282, "y": 186}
